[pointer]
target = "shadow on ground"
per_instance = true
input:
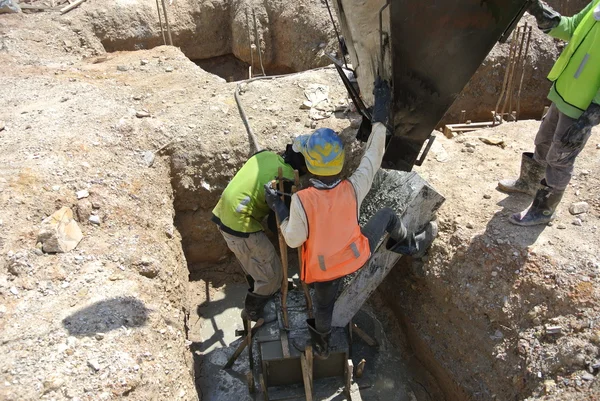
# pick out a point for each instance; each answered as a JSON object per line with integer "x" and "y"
{"x": 107, "y": 315}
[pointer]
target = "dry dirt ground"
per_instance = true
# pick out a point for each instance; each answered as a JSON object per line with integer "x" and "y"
{"x": 108, "y": 320}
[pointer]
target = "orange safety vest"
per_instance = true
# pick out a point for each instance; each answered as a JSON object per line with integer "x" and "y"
{"x": 335, "y": 246}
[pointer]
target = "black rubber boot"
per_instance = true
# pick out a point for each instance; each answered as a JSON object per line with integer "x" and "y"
{"x": 414, "y": 245}
{"x": 527, "y": 183}
{"x": 541, "y": 211}
{"x": 253, "y": 306}
{"x": 320, "y": 341}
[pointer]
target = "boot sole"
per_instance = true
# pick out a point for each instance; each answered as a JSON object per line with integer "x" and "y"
{"x": 529, "y": 223}
{"x": 513, "y": 190}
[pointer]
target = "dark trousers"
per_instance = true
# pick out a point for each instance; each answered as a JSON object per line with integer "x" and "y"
{"x": 385, "y": 220}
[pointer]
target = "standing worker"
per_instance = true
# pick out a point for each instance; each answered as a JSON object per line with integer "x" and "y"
{"x": 239, "y": 214}
{"x": 323, "y": 218}
{"x": 575, "y": 109}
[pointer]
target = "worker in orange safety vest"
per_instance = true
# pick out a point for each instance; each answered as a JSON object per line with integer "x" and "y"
{"x": 323, "y": 218}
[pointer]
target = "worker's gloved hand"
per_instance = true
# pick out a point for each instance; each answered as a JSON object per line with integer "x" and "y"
{"x": 577, "y": 134}
{"x": 383, "y": 95}
{"x": 547, "y": 18}
{"x": 275, "y": 203}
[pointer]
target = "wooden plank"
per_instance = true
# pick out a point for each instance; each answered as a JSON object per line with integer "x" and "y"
{"x": 285, "y": 344}
{"x": 71, "y": 6}
{"x": 264, "y": 387}
{"x": 349, "y": 371}
{"x": 243, "y": 345}
{"x": 306, "y": 378}
{"x": 364, "y": 336}
{"x": 416, "y": 202}
{"x": 251, "y": 386}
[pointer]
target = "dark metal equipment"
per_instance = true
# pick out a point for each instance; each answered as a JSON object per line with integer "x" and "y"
{"x": 436, "y": 47}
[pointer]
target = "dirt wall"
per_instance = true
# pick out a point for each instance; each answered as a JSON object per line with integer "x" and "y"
{"x": 292, "y": 36}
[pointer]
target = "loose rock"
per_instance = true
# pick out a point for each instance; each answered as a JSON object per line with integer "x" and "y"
{"x": 142, "y": 114}
{"x": 122, "y": 68}
{"x": 93, "y": 363}
{"x": 59, "y": 232}
{"x": 169, "y": 69}
{"x": 95, "y": 219}
{"x": 579, "y": 208}
{"x": 149, "y": 157}
{"x": 2, "y": 125}
{"x": 82, "y": 194}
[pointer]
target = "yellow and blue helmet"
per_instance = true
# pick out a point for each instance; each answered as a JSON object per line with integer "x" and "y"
{"x": 323, "y": 151}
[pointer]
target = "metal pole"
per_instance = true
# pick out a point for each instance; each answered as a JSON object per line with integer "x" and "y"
{"x": 250, "y": 43}
{"x": 162, "y": 30}
{"x": 167, "y": 22}
{"x": 506, "y": 73}
{"x": 259, "y": 47}
{"x": 523, "y": 71}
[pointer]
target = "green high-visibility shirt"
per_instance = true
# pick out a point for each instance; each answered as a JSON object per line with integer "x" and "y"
{"x": 242, "y": 206}
{"x": 576, "y": 73}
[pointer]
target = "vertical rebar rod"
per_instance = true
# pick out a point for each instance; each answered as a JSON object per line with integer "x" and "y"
{"x": 167, "y": 22}
{"x": 250, "y": 43}
{"x": 505, "y": 81}
{"x": 511, "y": 65}
{"x": 529, "y": 32}
{"x": 258, "y": 45}
{"x": 162, "y": 30}
{"x": 518, "y": 61}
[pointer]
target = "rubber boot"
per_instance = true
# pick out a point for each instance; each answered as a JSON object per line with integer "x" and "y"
{"x": 527, "y": 183}
{"x": 253, "y": 306}
{"x": 320, "y": 341}
{"x": 414, "y": 245}
{"x": 541, "y": 211}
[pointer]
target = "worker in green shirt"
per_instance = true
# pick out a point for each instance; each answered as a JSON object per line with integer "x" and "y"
{"x": 575, "y": 109}
{"x": 239, "y": 214}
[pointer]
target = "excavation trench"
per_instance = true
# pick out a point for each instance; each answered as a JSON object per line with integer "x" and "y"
{"x": 400, "y": 368}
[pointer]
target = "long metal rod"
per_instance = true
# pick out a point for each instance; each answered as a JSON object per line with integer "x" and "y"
{"x": 521, "y": 39}
{"x": 167, "y": 22}
{"x": 505, "y": 81}
{"x": 258, "y": 46}
{"x": 510, "y": 70}
{"x": 284, "y": 259}
{"x": 529, "y": 31}
{"x": 162, "y": 30}
{"x": 307, "y": 297}
{"x": 250, "y": 44}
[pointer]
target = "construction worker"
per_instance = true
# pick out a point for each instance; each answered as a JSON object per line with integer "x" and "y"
{"x": 575, "y": 109}
{"x": 323, "y": 218}
{"x": 239, "y": 214}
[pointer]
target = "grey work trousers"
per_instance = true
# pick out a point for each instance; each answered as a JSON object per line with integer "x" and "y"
{"x": 550, "y": 152}
{"x": 385, "y": 220}
{"x": 258, "y": 258}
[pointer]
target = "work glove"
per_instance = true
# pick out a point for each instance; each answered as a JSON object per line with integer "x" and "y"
{"x": 274, "y": 201}
{"x": 383, "y": 95}
{"x": 578, "y": 132}
{"x": 547, "y": 18}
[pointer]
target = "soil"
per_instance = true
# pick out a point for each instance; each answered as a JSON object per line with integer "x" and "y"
{"x": 110, "y": 319}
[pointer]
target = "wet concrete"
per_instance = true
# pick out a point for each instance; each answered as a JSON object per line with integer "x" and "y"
{"x": 387, "y": 377}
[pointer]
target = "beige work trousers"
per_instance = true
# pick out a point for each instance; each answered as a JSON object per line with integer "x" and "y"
{"x": 259, "y": 259}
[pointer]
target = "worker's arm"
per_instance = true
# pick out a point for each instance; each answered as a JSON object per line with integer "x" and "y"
{"x": 362, "y": 179}
{"x": 567, "y": 25}
{"x": 552, "y": 23}
{"x": 292, "y": 221}
{"x": 295, "y": 227}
